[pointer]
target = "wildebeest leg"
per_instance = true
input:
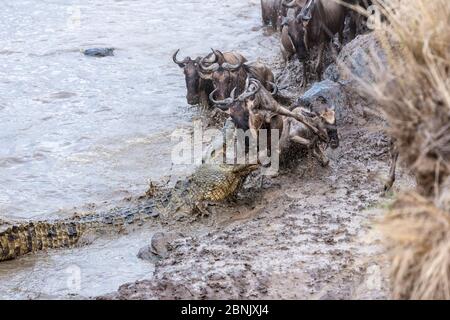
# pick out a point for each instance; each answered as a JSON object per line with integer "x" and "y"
{"x": 394, "y": 158}
{"x": 353, "y": 25}
{"x": 285, "y": 58}
{"x": 304, "y": 81}
{"x": 300, "y": 140}
{"x": 341, "y": 39}
{"x": 204, "y": 101}
{"x": 265, "y": 15}
{"x": 319, "y": 63}
{"x": 274, "y": 20}
{"x": 320, "y": 155}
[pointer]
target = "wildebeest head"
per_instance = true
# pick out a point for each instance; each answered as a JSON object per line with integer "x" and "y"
{"x": 302, "y": 21}
{"x": 224, "y": 76}
{"x": 328, "y": 117}
{"x": 192, "y": 76}
{"x": 257, "y": 102}
{"x": 235, "y": 107}
{"x": 307, "y": 12}
{"x": 210, "y": 64}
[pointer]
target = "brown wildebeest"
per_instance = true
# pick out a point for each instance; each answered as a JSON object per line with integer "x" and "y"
{"x": 271, "y": 11}
{"x": 358, "y": 20}
{"x": 299, "y": 134}
{"x": 274, "y": 11}
{"x": 290, "y": 38}
{"x": 198, "y": 88}
{"x": 289, "y": 29}
{"x": 236, "y": 107}
{"x": 265, "y": 113}
{"x": 316, "y": 25}
{"x": 226, "y": 77}
{"x": 256, "y": 109}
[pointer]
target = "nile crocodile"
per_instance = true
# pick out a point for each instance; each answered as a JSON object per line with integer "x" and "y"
{"x": 209, "y": 183}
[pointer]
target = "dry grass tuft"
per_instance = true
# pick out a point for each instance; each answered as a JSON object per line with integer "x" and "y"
{"x": 413, "y": 92}
{"x": 418, "y": 236}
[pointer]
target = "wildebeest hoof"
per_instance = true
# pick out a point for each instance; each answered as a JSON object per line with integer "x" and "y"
{"x": 98, "y": 52}
{"x": 387, "y": 187}
{"x": 303, "y": 83}
{"x": 325, "y": 163}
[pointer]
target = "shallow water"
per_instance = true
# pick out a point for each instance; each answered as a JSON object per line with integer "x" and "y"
{"x": 77, "y": 130}
{"x": 80, "y": 272}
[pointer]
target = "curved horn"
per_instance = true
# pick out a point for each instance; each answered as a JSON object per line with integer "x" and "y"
{"x": 211, "y": 68}
{"x": 275, "y": 88}
{"x": 247, "y": 83}
{"x": 181, "y": 64}
{"x": 304, "y": 15}
{"x": 232, "y": 67}
{"x": 291, "y": 4}
{"x": 248, "y": 93}
{"x": 210, "y": 58}
{"x": 222, "y": 104}
{"x": 219, "y": 55}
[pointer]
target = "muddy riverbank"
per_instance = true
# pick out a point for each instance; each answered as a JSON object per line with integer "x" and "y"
{"x": 308, "y": 233}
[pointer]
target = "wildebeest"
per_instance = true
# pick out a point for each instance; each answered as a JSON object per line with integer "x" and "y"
{"x": 357, "y": 20}
{"x": 273, "y": 11}
{"x": 289, "y": 28}
{"x": 257, "y": 109}
{"x": 290, "y": 38}
{"x": 199, "y": 88}
{"x": 299, "y": 134}
{"x": 315, "y": 25}
{"x": 226, "y": 76}
{"x": 265, "y": 113}
{"x": 237, "y": 108}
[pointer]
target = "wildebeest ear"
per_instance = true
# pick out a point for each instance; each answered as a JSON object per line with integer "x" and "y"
{"x": 329, "y": 116}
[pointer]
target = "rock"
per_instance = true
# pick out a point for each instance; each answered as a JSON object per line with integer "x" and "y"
{"x": 333, "y": 92}
{"x": 98, "y": 52}
{"x": 332, "y": 73}
{"x": 341, "y": 86}
{"x": 159, "y": 247}
{"x": 355, "y": 59}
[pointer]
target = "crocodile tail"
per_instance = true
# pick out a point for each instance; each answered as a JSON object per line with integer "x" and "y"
{"x": 22, "y": 238}
{"x": 30, "y": 237}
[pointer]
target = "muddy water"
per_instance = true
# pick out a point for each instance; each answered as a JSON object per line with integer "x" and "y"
{"x": 77, "y": 130}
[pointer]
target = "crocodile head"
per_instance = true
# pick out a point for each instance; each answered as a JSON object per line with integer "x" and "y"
{"x": 209, "y": 183}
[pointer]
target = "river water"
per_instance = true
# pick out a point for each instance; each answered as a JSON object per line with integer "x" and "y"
{"x": 76, "y": 130}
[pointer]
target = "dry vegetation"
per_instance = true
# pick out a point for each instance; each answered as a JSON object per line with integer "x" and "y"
{"x": 413, "y": 93}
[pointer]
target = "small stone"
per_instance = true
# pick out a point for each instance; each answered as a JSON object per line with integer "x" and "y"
{"x": 98, "y": 52}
